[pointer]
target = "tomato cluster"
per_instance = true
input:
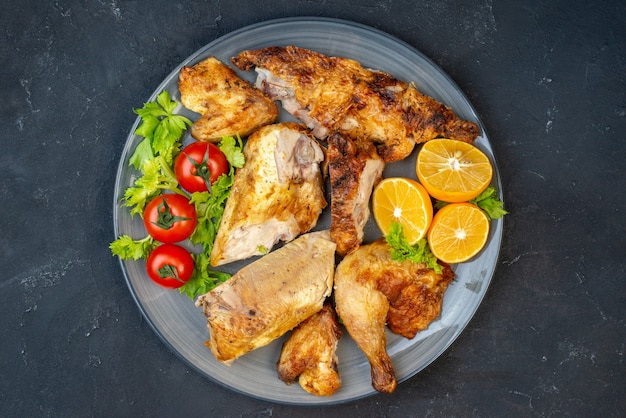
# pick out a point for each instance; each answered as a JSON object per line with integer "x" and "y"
{"x": 170, "y": 218}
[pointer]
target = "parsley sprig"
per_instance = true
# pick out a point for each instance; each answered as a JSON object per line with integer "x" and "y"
{"x": 488, "y": 201}
{"x": 157, "y": 177}
{"x": 161, "y": 130}
{"x": 401, "y": 249}
{"x": 204, "y": 278}
{"x": 128, "y": 248}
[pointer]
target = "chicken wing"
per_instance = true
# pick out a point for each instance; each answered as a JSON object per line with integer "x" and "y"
{"x": 269, "y": 297}
{"x": 309, "y": 355}
{"x": 371, "y": 289}
{"x": 354, "y": 169}
{"x": 333, "y": 94}
{"x": 277, "y": 195}
{"x": 227, "y": 104}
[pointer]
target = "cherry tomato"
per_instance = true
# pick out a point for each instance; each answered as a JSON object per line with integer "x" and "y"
{"x": 198, "y": 164}
{"x": 170, "y": 218}
{"x": 170, "y": 265}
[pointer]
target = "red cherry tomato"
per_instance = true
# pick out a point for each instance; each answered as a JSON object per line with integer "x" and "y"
{"x": 198, "y": 164}
{"x": 170, "y": 265}
{"x": 170, "y": 218}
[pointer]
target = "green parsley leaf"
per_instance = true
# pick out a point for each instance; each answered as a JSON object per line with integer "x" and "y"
{"x": 148, "y": 124}
{"x": 161, "y": 128}
{"x": 233, "y": 150}
{"x": 153, "y": 109}
{"x": 209, "y": 211}
{"x": 203, "y": 278}
{"x": 439, "y": 204}
{"x": 129, "y": 249}
{"x": 401, "y": 249}
{"x": 489, "y": 202}
{"x": 166, "y": 135}
{"x": 143, "y": 152}
{"x": 166, "y": 102}
{"x": 208, "y": 220}
{"x": 157, "y": 176}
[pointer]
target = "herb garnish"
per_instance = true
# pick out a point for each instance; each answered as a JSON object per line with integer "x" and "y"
{"x": 401, "y": 249}
{"x": 153, "y": 157}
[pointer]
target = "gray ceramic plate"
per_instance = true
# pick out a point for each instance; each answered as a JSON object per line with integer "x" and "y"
{"x": 182, "y": 327}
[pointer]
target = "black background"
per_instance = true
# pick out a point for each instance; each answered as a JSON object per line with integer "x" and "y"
{"x": 547, "y": 79}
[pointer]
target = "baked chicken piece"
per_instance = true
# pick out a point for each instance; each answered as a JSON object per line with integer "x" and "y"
{"x": 309, "y": 355}
{"x": 371, "y": 289}
{"x": 354, "y": 168}
{"x": 228, "y": 105}
{"x": 269, "y": 296}
{"x": 334, "y": 94}
{"x": 277, "y": 195}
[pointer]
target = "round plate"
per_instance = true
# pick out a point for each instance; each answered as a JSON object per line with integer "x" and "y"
{"x": 182, "y": 326}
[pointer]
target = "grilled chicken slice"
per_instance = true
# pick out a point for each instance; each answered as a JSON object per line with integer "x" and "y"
{"x": 269, "y": 296}
{"x": 309, "y": 355}
{"x": 333, "y": 94}
{"x": 227, "y": 104}
{"x": 277, "y": 195}
{"x": 354, "y": 169}
{"x": 371, "y": 289}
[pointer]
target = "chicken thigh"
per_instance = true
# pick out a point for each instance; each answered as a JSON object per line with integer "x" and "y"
{"x": 372, "y": 290}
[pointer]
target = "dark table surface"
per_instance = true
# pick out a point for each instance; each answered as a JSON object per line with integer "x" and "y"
{"x": 546, "y": 77}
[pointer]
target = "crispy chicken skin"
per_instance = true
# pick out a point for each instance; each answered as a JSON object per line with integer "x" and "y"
{"x": 227, "y": 104}
{"x": 269, "y": 296}
{"x": 333, "y": 94}
{"x": 429, "y": 119}
{"x": 309, "y": 355}
{"x": 354, "y": 169}
{"x": 371, "y": 289}
{"x": 277, "y": 195}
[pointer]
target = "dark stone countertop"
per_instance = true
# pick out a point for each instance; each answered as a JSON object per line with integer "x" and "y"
{"x": 548, "y": 81}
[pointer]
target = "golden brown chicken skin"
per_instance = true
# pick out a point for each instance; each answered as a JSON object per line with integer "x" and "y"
{"x": 372, "y": 290}
{"x": 228, "y": 105}
{"x": 354, "y": 168}
{"x": 333, "y": 94}
{"x": 309, "y": 355}
{"x": 277, "y": 195}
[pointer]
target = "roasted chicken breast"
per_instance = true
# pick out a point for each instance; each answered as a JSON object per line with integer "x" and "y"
{"x": 269, "y": 296}
{"x": 228, "y": 105}
{"x": 333, "y": 94}
{"x": 309, "y": 355}
{"x": 372, "y": 290}
{"x": 277, "y": 195}
{"x": 354, "y": 168}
